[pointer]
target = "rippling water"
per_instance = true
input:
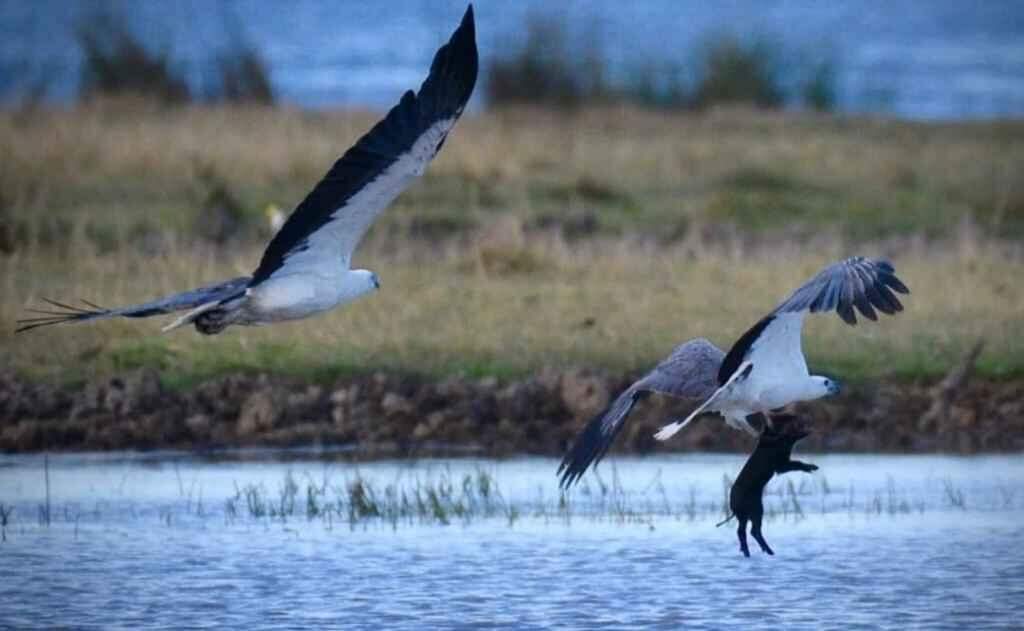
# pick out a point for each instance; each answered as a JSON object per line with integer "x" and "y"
{"x": 878, "y": 541}
{"x": 917, "y": 58}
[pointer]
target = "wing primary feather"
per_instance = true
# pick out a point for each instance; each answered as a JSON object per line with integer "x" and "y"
{"x": 832, "y": 294}
{"x": 68, "y": 313}
{"x": 61, "y": 305}
{"x": 879, "y": 299}
{"x": 821, "y": 300}
{"x": 889, "y": 296}
{"x": 596, "y": 438}
{"x": 845, "y": 306}
{"x": 33, "y": 325}
{"x": 890, "y": 280}
{"x": 92, "y": 305}
{"x": 862, "y": 304}
{"x": 860, "y": 299}
{"x": 47, "y": 313}
{"x": 871, "y": 292}
{"x": 41, "y": 319}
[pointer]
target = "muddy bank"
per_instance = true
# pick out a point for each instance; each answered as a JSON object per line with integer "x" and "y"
{"x": 401, "y": 415}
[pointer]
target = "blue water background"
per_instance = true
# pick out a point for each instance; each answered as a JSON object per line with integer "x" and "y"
{"x": 928, "y": 59}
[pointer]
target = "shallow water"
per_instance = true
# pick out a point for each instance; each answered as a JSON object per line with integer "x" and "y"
{"x": 877, "y": 541}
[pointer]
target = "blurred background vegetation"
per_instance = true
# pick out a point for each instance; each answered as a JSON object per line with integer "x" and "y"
{"x": 551, "y": 68}
{"x": 582, "y": 217}
{"x": 548, "y": 67}
{"x": 116, "y": 62}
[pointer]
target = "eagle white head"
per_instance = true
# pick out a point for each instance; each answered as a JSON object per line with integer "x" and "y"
{"x": 359, "y": 282}
{"x": 819, "y": 387}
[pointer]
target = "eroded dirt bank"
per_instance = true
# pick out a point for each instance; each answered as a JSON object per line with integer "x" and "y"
{"x": 400, "y": 415}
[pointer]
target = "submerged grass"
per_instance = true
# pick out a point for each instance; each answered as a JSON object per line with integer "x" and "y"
{"x": 6, "y": 512}
{"x": 443, "y": 498}
{"x": 357, "y": 500}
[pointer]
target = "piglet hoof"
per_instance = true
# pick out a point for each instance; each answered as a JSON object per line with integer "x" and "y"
{"x": 811, "y": 467}
{"x": 745, "y": 552}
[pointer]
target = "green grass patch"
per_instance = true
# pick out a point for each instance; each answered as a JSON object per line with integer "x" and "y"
{"x": 764, "y": 201}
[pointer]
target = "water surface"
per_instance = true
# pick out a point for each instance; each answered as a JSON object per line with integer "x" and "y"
{"x": 868, "y": 541}
{"x": 922, "y": 59}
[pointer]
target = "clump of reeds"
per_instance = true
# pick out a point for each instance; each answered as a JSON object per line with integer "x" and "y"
{"x": 552, "y": 67}
{"x": 547, "y": 69}
{"x": 116, "y": 61}
{"x": 953, "y": 495}
{"x": 439, "y": 500}
{"x": 734, "y": 71}
{"x": 819, "y": 89}
{"x": 5, "y": 517}
{"x": 244, "y": 77}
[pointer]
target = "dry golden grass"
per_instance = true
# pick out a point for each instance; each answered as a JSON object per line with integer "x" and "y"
{"x": 139, "y": 159}
{"x": 605, "y": 306}
{"x": 501, "y": 299}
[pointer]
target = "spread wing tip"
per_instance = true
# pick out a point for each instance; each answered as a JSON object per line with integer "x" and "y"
{"x": 60, "y": 313}
{"x": 596, "y": 439}
{"x": 429, "y": 114}
{"x": 855, "y": 285}
{"x": 454, "y": 70}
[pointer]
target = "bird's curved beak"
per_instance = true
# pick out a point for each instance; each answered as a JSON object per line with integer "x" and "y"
{"x": 376, "y": 282}
{"x": 834, "y": 388}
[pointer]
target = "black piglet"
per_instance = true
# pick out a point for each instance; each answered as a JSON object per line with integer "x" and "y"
{"x": 772, "y": 455}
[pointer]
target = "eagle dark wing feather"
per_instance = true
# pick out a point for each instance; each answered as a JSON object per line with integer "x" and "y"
{"x": 857, "y": 284}
{"x": 596, "y": 438}
{"x": 442, "y": 97}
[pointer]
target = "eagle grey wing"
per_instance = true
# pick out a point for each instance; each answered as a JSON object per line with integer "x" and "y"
{"x": 328, "y": 224}
{"x": 689, "y": 372}
{"x": 860, "y": 282}
{"x": 63, "y": 312}
{"x": 857, "y": 282}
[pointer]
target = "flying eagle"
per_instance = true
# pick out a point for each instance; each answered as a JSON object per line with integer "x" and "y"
{"x": 765, "y": 369}
{"x": 306, "y": 268}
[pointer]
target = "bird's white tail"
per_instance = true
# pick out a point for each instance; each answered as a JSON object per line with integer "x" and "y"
{"x": 670, "y": 430}
{"x": 673, "y": 428}
{"x": 190, "y": 317}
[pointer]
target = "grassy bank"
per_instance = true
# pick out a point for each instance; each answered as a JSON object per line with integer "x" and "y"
{"x": 619, "y": 312}
{"x": 598, "y": 238}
